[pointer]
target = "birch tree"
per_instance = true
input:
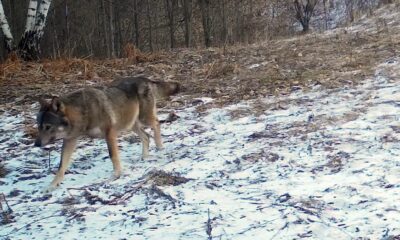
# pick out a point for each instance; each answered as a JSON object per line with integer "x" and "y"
{"x": 5, "y": 27}
{"x": 29, "y": 46}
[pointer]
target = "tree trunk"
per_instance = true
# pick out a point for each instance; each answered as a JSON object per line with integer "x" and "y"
{"x": 5, "y": 27}
{"x": 325, "y": 15}
{"x": 119, "y": 32}
{"x": 136, "y": 23}
{"x": 106, "y": 36}
{"x": 304, "y": 12}
{"x": 112, "y": 37}
{"x": 29, "y": 46}
{"x": 150, "y": 27}
{"x": 56, "y": 44}
{"x": 205, "y": 14}
{"x": 170, "y": 7}
{"x": 187, "y": 11}
{"x": 224, "y": 24}
{"x": 238, "y": 21}
{"x": 67, "y": 33}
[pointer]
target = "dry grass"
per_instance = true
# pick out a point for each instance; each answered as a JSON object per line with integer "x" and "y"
{"x": 161, "y": 178}
{"x": 331, "y": 60}
{"x": 134, "y": 55}
{"x": 219, "y": 69}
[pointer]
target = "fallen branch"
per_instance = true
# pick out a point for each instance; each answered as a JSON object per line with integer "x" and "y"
{"x": 209, "y": 227}
{"x": 114, "y": 201}
{"x": 3, "y": 199}
{"x": 281, "y": 229}
{"x": 261, "y": 225}
{"x": 159, "y": 192}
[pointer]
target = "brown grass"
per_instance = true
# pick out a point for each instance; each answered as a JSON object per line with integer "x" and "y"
{"x": 134, "y": 55}
{"x": 161, "y": 178}
{"x": 330, "y": 60}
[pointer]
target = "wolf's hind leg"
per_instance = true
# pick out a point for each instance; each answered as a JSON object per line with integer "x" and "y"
{"x": 144, "y": 137}
{"x": 112, "y": 144}
{"x": 67, "y": 150}
{"x": 157, "y": 133}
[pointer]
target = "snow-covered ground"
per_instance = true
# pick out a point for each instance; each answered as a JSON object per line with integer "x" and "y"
{"x": 322, "y": 164}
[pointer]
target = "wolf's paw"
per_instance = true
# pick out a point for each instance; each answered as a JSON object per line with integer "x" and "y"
{"x": 160, "y": 147}
{"x": 116, "y": 175}
{"x": 145, "y": 156}
{"x": 49, "y": 189}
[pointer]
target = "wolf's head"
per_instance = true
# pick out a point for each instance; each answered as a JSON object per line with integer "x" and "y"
{"x": 51, "y": 121}
{"x": 166, "y": 89}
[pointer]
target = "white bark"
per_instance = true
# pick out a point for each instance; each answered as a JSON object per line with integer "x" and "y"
{"x": 29, "y": 46}
{"x": 31, "y": 16}
{"x": 5, "y": 27}
{"x": 41, "y": 16}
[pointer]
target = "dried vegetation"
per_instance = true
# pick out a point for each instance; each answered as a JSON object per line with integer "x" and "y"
{"x": 278, "y": 67}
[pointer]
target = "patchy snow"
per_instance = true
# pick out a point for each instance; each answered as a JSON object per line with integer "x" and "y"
{"x": 322, "y": 164}
{"x": 257, "y": 65}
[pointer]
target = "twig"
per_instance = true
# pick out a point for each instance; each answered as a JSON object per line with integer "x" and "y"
{"x": 116, "y": 200}
{"x": 87, "y": 186}
{"x": 3, "y": 197}
{"x": 210, "y": 70}
{"x": 49, "y": 162}
{"x": 29, "y": 224}
{"x": 127, "y": 195}
{"x": 258, "y": 226}
{"x": 209, "y": 227}
{"x": 281, "y": 229}
{"x": 159, "y": 192}
{"x": 332, "y": 226}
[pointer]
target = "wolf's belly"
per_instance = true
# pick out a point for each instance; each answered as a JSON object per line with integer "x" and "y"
{"x": 95, "y": 133}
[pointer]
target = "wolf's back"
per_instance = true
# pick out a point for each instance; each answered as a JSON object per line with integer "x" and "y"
{"x": 145, "y": 87}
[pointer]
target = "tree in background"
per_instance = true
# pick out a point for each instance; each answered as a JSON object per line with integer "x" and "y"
{"x": 105, "y": 28}
{"x": 206, "y": 20}
{"x": 304, "y": 10}
{"x": 5, "y": 27}
{"x": 29, "y": 45}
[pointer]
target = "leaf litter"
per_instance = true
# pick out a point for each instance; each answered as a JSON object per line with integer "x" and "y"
{"x": 295, "y": 140}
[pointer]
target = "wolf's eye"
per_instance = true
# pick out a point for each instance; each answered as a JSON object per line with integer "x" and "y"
{"x": 47, "y": 127}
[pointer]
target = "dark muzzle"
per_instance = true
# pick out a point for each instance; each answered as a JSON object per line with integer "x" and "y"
{"x": 38, "y": 142}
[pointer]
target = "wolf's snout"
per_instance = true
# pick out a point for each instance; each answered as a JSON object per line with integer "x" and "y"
{"x": 38, "y": 143}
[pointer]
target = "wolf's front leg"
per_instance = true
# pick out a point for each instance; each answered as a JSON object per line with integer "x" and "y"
{"x": 157, "y": 133}
{"x": 112, "y": 144}
{"x": 67, "y": 150}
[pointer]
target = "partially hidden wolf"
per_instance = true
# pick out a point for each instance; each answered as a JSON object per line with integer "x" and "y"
{"x": 127, "y": 104}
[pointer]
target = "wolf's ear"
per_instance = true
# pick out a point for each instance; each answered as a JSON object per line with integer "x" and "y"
{"x": 43, "y": 103}
{"x": 57, "y": 105}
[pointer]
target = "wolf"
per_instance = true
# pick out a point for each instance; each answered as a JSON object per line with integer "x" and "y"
{"x": 126, "y": 104}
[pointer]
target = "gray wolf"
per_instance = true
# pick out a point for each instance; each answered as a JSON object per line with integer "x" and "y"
{"x": 127, "y": 104}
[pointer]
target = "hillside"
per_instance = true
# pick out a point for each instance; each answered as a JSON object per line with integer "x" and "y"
{"x": 285, "y": 139}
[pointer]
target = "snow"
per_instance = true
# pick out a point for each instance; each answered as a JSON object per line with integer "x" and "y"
{"x": 324, "y": 166}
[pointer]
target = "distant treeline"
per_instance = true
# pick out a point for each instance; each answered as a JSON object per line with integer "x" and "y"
{"x": 107, "y": 28}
